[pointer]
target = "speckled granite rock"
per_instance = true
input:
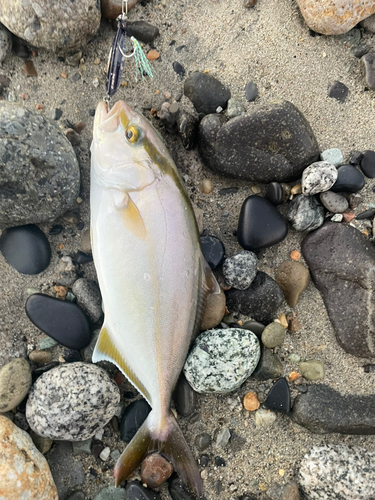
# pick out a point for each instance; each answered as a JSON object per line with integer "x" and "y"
{"x": 336, "y": 472}
{"x": 221, "y": 360}
{"x": 240, "y": 269}
{"x": 11, "y": 345}
{"x": 15, "y": 382}
{"x": 334, "y": 17}
{"x": 72, "y": 402}
{"x": 39, "y": 172}
{"x": 305, "y": 213}
{"x": 24, "y": 472}
{"x": 58, "y": 25}
{"x": 318, "y": 177}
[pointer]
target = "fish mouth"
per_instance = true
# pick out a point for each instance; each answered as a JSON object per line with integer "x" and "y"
{"x": 120, "y": 111}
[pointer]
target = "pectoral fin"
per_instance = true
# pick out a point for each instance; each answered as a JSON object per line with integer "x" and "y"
{"x": 133, "y": 219}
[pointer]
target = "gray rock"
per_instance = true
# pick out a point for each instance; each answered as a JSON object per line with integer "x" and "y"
{"x": 89, "y": 350}
{"x": 369, "y": 23}
{"x": 318, "y": 177}
{"x": 202, "y": 441}
{"x": 206, "y": 92}
{"x": 89, "y": 298}
{"x": 187, "y": 126}
{"x": 342, "y": 265}
{"x": 39, "y": 172}
{"x": 305, "y": 213}
{"x": 333, "y": 156}
{"x": 11, "y": 346}
{"x": 61, "y": 25}
{"x": 269, "y": 366}
{"x": 15, "y": 382}
{"x": 334, "y": 202}
{"x": 273, "y": 335}
{"x": 223, "y": 437}
{"x": 312, "y": 369}
{"x": 272, "y": 142}
{"x": 240, "y": 270}
{"x": 86, "y": 242}
{"x": 251, "y": 91}
{"x": 288, "y": 491}
{"x": 5, "y": 43}
{"x": 221, "y": 360}
{"x": 368, "y": 61}
{"x": 336, "y": 472}
{"x": 111, "y": 493}
{"x": 72, "y": 402}
{"x": 322, "y": 409}
{"x": 235, "y": 108}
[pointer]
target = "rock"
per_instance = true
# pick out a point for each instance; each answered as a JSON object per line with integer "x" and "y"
{"x": 223, "y": 437}
{"x": 206, "y": 92}
{"x": 202, "y": 441}
{"x": 132, "y": 419}
{"x": 26, "y": 248}
{"x": 251, "y": 91}
{"x": 338, "y": 91}
{"x": 368, "y": 62}
{"x": 274, "y": 193}
{"x": 337, "y": 471}
{"x": 89, "y": 350}
{"x": 213, "y": 251}
{"x": 40, "y": 357}
{"x": 260, "y": 225}
{"x": 334, "y": 17}
{"x": 269, "y": 366}
{"x": 235, "y": 108}
{"x": 332, "y": 156}
{"x": 273, "y": 335}
{"x": 155, "y": 470}
{"x": 179, "y": 69}
{"x": 288, "y": 491}
{"x": 42, "y": 444}
{"x": 135, "y": 491}
{"x": 66, "y": 271}
{"x": 221, "y": 360}
{"x": 368, "y": 164}
{"x": 24, "y": 470}
{"x": 334, "y": 202}
{"x": 312, "y": 369}
{"x": 67, "y": 471}
{"x": 72, "y": 402}
{"x": 349, "y": 180}
{"x": 367, "y": 214}
{"x": 39, "y": 172}
{"x": 15, "y": 382}
{"x": 83, "y": 258}
{"x": 178, "y": 490}
{"x": 5, "y": 43}
{"x": 254, "y": 327}
{"x": 89, "y": 298}
{"x": 278, "y": 399}
{"x": 342, "y": 265}
{"x": 369, "y": 23}
{"x": 239, "y": 270}
{"x": 113, "y": 8}
{"x": 318, "y": 177}
{"x": 292, "y": 278}
{"x": 305, "y": 213}
{"x": 142, "y": 31}
{"x": 264, "y": 418}
{"x": 184, "y": 397}
{"x": 272, "y": 142}
{"x": 86, "y": 242}
{"x": 64, "y": 321}
{"x": 187, "y": 126}
{"x": 60, "y": 26}
{"x": 214, "y": 311}
{"x": 76, "y": 495}
{"x": 260, "y": 301}
{"x": 355, "y": 157}
{"x": 251, "y": 401}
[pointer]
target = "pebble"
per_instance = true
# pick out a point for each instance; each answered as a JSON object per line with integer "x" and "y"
{"x": 83, "y": 258}
{"x": 240, "y": 270}
{"x": 288, "y": 491}
{"x": 152, "y": 55}
{"x": 184, "y": 397}
{"x": 28, "y": 69}
{"x": 333, "y": 156}
{"x": 135, "y": 491}
{"x": 368, "y": 63}
{"x": 260, "y": 225}
{"x": 312, "y": 369}
{"x": 251, "y": 91}
{"x": 187, "y": 126}
{"x": 42, "y": 444}
{"x": 113, "y": 493}
{"x": 132, "y": 419}
{"x": 214, "y": 311}
{"x": 254, "y": 327}
{"x": 223, "y": 438}
{"x": 155, "y": 470}
{"x": 206, "y": 186}
{"x": 15, "y": 382}
{"x": 305, "y": 213}
{"x": 142, "y": 31}
{"x": 104, "y": 454}
{"x": 213, "y": 251}
{"x": 67, "y": 470}
{"x": 273, "y": 335}
{"x": 274, "y": 193}
{"x": 338, "y": 91}
{"x": 46, "y": 343}
{"x": 26, "y": 248}
{"x": 333, "y": 202}
{"x": 349, "y": 180}
{"x": 89, "y": 298}
{"x": 293, "y": 278}
{"x": 368, "y": 164}
{"x": 367, "y": 214}
{"x": 278, "y": 399}
{"x": 269, "y": 366}
{"x": 318, "y": 177}
{"x": 235, "y": 108}
{"x": 202, "y": 441}
{"x": 206, "y": 92}
{"x": 72, "y": 402}
{"x": 221, "y": 360}
{"x": 178, "y": 490}
{"x": 24, "y": 470}
{"x": 5, "y": 43}
{"x": 82, "y": 447}
{"x": 264, "y": 418}
{"x": 251, "y": 401}
{"x": 179, "y": 69}
{"x": 338, "y": 471}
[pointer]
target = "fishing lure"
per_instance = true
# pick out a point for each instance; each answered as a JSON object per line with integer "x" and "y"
{"x": 120, "y": 52}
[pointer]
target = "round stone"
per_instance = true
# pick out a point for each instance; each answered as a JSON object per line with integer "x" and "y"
{"x": 235, "y": 108}
{"x": 221, "y": 360}
{"x": 184, "y": 397}
{"x": 213, "y": 251}
{"x": 26, "y": 248}
{"x": 155, "y": 469}
{"x": 251, "y": 91}
{"x": 332, "y": 156}
{"x": 89, "y": 298}
{"x": 349, "y": 180}
{"x": 274, "y": 193}
{"x": 135, "y": 491}
{"x": 368, "y": 164}
{"x": 214, "y": 311}
{"x": 292, "y": 278}
{"x": 203, "y": 441}
{"x": 72, "y": 402}
{"x": 239, "y": 270}
{"x": 305, "y": 213}
{"x": 134, "y": 416}
{"x": 15, "y": 382}
{"x": 206, "y": 92}
{"x": 318, "y": 177}
{"x": 40, "y": 357}
{"x": 273, "y": 335}
{"x": 334, "y": 202}
{"x": 251, "y": 401}
{"x": 312, "y": 369}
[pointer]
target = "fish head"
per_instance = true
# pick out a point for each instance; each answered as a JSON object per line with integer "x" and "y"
{"x": 127, "y": 153}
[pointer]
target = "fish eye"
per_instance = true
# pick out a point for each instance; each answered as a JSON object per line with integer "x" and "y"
{"x": 131, "y": 133}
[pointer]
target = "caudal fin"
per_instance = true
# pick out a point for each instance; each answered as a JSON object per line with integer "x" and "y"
{"x": 170, "y": 442}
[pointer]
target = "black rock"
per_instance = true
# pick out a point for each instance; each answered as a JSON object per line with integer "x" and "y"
{"x": 269, "y": 366}
{"x": 251, "y": 91}
{"x": 367, "y": 214}
{"x": 187, "y": 126}
{"x": 213, "y": 251}
{"x": 218, "y": 487}
{"x": 179, "y": 69}
{"x": 341, "y": 261}
{"x": 204, "y": 460}
{"x": 338, "y": 91}
{"x": 274, "y": 193}
{"x": 220, "y": 462}
{"x": 260, "y": 301}
{"x": 76, "y": 495}
{"x": 72, "y": 356}
{"x": 142, "y": 31}
{"x": 230, "y": 190}
{"x": 272, "y": 142}
{"x": 349, "y": 180}
{"x": 97, "y": 447}
{"x": 355, "y": 157}
{"x": 132, "y": 419}
{"x": 254, "y": 327}
{"x": 55, "y": 230}
{"x": 369, "y": 368}
{"x": 206, "y": 92}
{"x": 83, "y": 258}
{"x": 278, "y": 399}
{"x": 64, "y": 321}
{"x": 368, "y": 63}
{"x": 26, "y": 248}
{"x": 305, "y": 213}
{"x": 135, "y": 491}
{"x": 323, "y": 409}
{"x": 202, "y": 441}
{"x": 19, "y": 48}
{"x": 260, "y": 225}
{"x": 178, "y": 490}
{"x": 184, "y": 397}
{"x": 368, "y": 164}
{"x": 67, "y": 471}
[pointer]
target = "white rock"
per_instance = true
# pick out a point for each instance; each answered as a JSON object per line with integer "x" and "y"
{"x": 239, "y": 270}
{"x": 104, "y": 455}
{"x": 264, "y": 418}
{"x": 318, "y": 177}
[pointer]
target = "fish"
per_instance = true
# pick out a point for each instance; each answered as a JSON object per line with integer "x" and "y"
{"x": 152, "y": 274}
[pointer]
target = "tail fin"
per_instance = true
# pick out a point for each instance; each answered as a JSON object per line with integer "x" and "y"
{"x": 170, "y": 442}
